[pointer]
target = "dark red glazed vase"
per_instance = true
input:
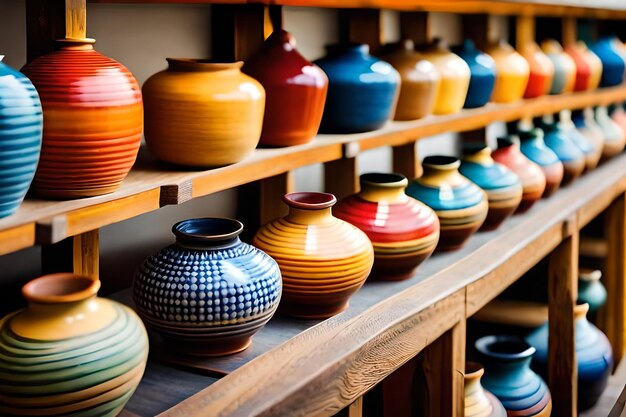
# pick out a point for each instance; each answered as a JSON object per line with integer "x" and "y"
{"x": 295, "y": 91}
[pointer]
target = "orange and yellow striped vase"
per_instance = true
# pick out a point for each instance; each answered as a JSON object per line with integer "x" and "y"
{"x": 323, "y": 260}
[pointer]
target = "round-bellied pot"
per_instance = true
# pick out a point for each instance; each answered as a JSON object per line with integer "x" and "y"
{"x": 530, "y": 174}
{"x": 483, "y": 74}
{"x": 557, "y": 139}
{"x": 21, "y": 125}
{"x": 564, "y": 67}
{"x": 403, "y": 231}
{"x": 459, "y": 203}
{"x": 503, "y": 187}
{"x": 618, "y": 115}
{"x": 455, "y": 77}
{"x": 590, "y": 146}
{"x": 593, "y": 353}
{"x": 512, "y": 73}
{"x": 590, "y": 289}
{"x": 208, "y": 293}
{"x": 534, "y": 148}
{"x": 69, "y": 352}
{"x": 478, "y": 401}
{"x": 613, "y": 63}
{"x": 323, "y": 260}
{"x": 362, "y": 90}
{"x": 202, "y": 114}
{"x": 588, "y": 66}
{"x": 295, "y": 91}
{"x": 614, "y": 136}
{"x": 92, "y": 117}
{"x": 541, "y": 71}
{"x": 588, "y": 127}
{"x": 419, "y": 81}
{"x": 508, "y": 376}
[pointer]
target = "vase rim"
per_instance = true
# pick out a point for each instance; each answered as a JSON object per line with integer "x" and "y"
{"x": 384, "y": 179}
{"x": 472, "y": 148}
{"x": 310, "y": 200}
{"x": 58, "y": 288}
{"x": 474, "y": 370}
{"x": 507, "y": 141}
{"x": 533, "y": 133}
{"x": 85, "y": 44}
{"x": 504, "y": 347}
{"x": 581, "y": 310}
{"x": 441, "y": 162}
{"x": 589, "y": 275}
{"x": 201, "y": 64}
{"x": 207, "y": 229}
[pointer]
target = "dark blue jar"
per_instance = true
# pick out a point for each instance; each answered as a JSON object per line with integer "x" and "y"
{"x": 613, "y": 64}
{"x": 483, "y": 74}
{"x": 21, "y": 126}
{"x": 362, "y": 90}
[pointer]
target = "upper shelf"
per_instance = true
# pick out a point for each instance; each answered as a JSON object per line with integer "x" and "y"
{"x": 151, "y": 185}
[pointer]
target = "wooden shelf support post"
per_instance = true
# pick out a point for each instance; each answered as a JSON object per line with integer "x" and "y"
{"x": 341, "y": 177}
{"x": 406, "y": 161}
{"x": 361, "y": 26}
{"x": 272, "y": 191}
{"x": 524, "y": 31}
{"x": 79, "y": 254}
{"x": 570, "y": 30}
{"x": 75, "y": 19}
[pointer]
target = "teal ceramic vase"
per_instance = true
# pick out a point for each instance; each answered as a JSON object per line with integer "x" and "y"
{"x": 535, "y": 149}
{"x": 614, "y": 136}
{"x": 590, "y": 289}
{"x": 557, "y": 139}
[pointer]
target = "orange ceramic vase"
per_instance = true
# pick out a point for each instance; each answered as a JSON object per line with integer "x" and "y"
{"x": 323, "y": 260}
{"x": 541, "y": 71}
{"x": 588, "y": 66}
{"x": 92, "y": 116}
{"x": 203, "y": 114}
{"x": 564, "y": 67}
{"x": 512, "y": 73}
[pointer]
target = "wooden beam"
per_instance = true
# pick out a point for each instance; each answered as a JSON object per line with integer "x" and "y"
{"x": 524, "y": 31}
{"x": 356, "y": 408}
{"x": 86, "y": 254}
{"x": 272, "y": 190}
{"x": 477, "y": 28}
{"x": 45, "y": 22}
{"x": 406, "y": 160}
{"x": 570, "y": 30}
{"x": 398, "y": 391}
{"x": 415, "y": 26}
{"x": 361, "y": 26}
{"x": 341, "y": 177}
{"x": 75, "y": 19}
{"x": 237, "y": 31}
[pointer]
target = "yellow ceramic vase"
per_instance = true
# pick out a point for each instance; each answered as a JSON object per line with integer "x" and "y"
{"x": 512, "y": 73}
{"x": 323, "y": 260}
{"x": 202, "y": 114}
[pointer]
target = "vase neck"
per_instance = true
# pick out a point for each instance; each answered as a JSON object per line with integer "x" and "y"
{"x": 209, "y": 233}
{"x": 383, "y": 188}
{"x": 481, "y": 156}
{"x": 305, "y": 216}
{"x": 202, "y": 65}
{"x": 209, "y": 245}
{"x": 441, "y": 169}
{"x": 514, "y": 369}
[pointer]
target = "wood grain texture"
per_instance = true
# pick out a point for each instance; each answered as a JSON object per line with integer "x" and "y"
{"x": 406, "y": 160}
{"x": 86, "y": 254}
{"x": 75, "y": 19}
{"x": 17, "y": 238}
{"x": 356, "y": 408}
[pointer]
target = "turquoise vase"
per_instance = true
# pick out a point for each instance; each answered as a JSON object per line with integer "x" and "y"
{"x": 590, "y": 289}
{"x": 483, "y": 74}
{"x": 534, "y": 148}
{"x": 557, "y": 139}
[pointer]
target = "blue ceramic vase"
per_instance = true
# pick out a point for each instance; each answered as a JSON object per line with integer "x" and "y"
{"x": 593, "y": 353}
{"x": 483, "y": 74}
{"x": 508, "y": 376}
{"x": 613, "y": 64}
{"x": 21, "y": 127}
{"x": 590, "y": 289}
{"x": 591, "y": 148}
{"x": 209, "y": 292}
{"x": 569, "y": 153}
{"x": 534, "y": 148}
{"x": 362, "y": 90}
{"x": 503, "y": 187}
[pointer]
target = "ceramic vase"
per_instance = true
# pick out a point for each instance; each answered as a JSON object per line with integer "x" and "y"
{"x": 564, "y": 67}
{"x": 590, "y": 289}
{"x": 593, "y": 354}
{"x": 323, "y": 260}
{"x": 459, "y": 203}
{"x": 591, "y": 146}
{"x": 613, "y": 64}
{"x": 512, "y": 73}
{"x": 503, "y": 187}
{"x": 588, "y": 66}
{"x": 21, "y": 125}
{"x": 403, "y": 231}
{"x": 541, "y": 71}
{"x": 69, "y": 352}
{"x": 557, "y": 139}
{"x": 209, "y": 292}
{"x": 478, "y": 401}
{"x": 614, "y": 136}
{"x": 295, "y": 91}
{"x": 618, "y": 115}
{"x": 362, "y": 91}
{"x": 203, "y": 114}
{"x": 530, "y": 174}
{"x": 419, "y": 81}
{"x": 534, "y": 148}
{"x": 455, "y": 77}
{"x": 583, "y": 120}
{"x": 483, "y": 74}
{"x": 92, "y": 117}
{"x": 508, "y": 376}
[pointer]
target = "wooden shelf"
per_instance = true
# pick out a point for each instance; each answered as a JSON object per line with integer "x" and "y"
{"x": 151, "y": 185}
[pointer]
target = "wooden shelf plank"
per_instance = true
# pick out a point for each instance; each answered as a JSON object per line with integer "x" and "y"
{"x": 527, "y": 314}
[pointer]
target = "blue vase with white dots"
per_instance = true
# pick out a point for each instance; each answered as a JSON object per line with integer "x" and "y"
{"x": 208, "y": 293}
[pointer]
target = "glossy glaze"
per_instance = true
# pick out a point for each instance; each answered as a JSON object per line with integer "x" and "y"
{"x": 478, "y": 401}
{"x": 21, "y": 125}
{"x": 202, "y": 114}
{"x": 557, "y": 139}
{"x": 614, "y": 136}
{"x": 588, "y": 66}
{"x": 590, "y": 289}
{"x": 613, "y": 64}
{"x": 534, "y": 148}
{"x": 564, "y": 67}
{"x": 530, "y": 174}
{"x": 403, "y": 231}
{"x": 69, "y": 352}
{"x": 593, "y": 353}
{"x": 541, "y": 71}
{"x": 512, "y": 73}
{"x": 618, "y": 115}
{"x": 483, "y": 74}
{"x": 215, "y": 311}
{"x": 508, "y": 376}
{"x": 295, "y": 91}
{"x": 591, "y": 146}
{"x": 455, "y": 77}
{"x": 503, "y": 187}
{"x": 419, "y": 81}
{"x": 362, "y": 91}
{"x": 92, "y": 111}
{"x": 323, "y": 260}
{"x": 459, "y": 203}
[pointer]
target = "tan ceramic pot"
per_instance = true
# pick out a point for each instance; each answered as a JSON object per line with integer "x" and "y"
{"x": 202, "y": 114}
{"x": 512, "y": 73}
{"x": 564, "y": 67}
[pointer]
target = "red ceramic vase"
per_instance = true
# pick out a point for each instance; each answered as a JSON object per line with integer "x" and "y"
{"x": 403, "y": 231}
{"x": 92, "y": 121}
{"x": 541, "y": 71}
{"x": 588, "y": 66}
{"x": 295, "y": 91}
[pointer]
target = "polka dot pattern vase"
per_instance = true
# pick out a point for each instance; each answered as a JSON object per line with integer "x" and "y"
{"x": 208, "y": 293}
